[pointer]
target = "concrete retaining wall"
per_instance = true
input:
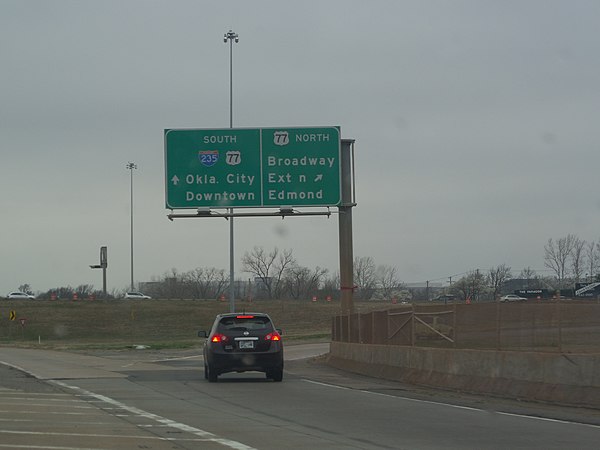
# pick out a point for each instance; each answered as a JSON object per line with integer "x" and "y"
{"x": 569, "y": 379}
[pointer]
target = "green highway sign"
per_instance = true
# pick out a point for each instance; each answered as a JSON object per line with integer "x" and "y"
{"x": 252, "y": 167}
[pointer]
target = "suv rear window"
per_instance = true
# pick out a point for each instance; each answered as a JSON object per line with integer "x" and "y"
{"x": 245, "y": 323}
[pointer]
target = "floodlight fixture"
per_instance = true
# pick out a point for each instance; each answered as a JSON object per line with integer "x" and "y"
{"x": 231, "y": 36}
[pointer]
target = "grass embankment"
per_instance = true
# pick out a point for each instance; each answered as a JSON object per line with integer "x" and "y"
{"x": 157, "y": 323}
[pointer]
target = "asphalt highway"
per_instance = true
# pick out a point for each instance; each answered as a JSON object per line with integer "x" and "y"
{"x": 160, "y": 400}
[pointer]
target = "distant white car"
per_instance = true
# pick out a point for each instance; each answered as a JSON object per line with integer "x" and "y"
{"x": 512, "y": 298}
{"x": 20, "y": 295}
{"x": 137, "y": 295}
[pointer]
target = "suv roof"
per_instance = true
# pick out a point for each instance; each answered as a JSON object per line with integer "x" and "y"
{"x": 242, "y": 314}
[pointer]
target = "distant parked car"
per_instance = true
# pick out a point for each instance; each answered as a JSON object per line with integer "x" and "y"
{"x": 444, "y": 298}
{"x": 512, "y": 298}
{"x": 20, "y": 295}
{"x": 137, "y": 295}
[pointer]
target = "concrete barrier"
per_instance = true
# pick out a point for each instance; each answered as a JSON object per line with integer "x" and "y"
{"x": 567, "y": 379}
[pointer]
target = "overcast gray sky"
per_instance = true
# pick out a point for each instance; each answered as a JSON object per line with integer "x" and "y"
{"x": 476, "y": 127}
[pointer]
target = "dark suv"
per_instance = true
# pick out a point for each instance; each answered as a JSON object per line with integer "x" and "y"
{"x": 243, "y": 342}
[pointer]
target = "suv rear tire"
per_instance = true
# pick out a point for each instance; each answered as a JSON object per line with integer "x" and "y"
{"x": 275, "y": 374}
{"x": 210, "y": 374}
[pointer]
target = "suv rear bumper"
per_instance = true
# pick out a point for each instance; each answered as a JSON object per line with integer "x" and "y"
{"x": 245, "y": 361}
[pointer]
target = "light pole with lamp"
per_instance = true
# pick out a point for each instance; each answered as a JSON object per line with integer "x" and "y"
{"x": 131, "y": 166}
{"x": 231, "y": 37}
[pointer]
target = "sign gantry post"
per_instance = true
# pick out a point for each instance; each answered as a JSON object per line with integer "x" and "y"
{"x": 345, "y": 230}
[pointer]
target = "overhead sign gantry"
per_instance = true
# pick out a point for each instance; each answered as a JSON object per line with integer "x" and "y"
{"x": 261, "y": 168}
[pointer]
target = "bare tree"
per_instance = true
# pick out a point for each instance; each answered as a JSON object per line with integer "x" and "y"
{"x": 527, "y": 274}
{"x": 207, "y": 283}
{"x": 388, "y": 281}
{"x": 331, "y": 285}
{"x": 364, "y": 277}
{"x": 557, "y": 254}
{"x": 497, "y": 276}
{"x": 269, "y": 267}
{"x": 302, "y": 281}
{"x": 84, "y": 290}
{"x": 533, "y": 279}
{"x": 26, "y": 288}
{"x": 578, "y": 259}
{"x": 174, "y": 283}
{"x": 470, "y": 286}
{"x": 592, "y": 254}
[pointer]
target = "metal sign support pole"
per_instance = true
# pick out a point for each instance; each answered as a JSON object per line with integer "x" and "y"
{"x": 345, "y": 228}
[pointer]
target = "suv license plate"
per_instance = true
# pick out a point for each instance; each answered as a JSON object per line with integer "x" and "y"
{"x": 246, "y": 344}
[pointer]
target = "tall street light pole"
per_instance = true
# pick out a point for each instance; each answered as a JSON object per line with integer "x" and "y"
{"x": 131, "y": 166}
{"x": 231, "y": 37}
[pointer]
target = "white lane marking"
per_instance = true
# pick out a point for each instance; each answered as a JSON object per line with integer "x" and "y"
{"x": 17, "y": 420}
{"x": 28, "y": 399}
{"x": 547, "y": 419}
{"x": 20, "y": 369}
{"x": 46, "y": 447}
{"x": 161, "y": 420}
{"x": 210, "y": 437}
{"x": 45, "y": 405}
{"x": 450, "y": 405}
{"x": 98, "y": 435}
{"x": 33, "y": 394}
{"x": 46, "y": 412}
{"x": 63, "y": 422}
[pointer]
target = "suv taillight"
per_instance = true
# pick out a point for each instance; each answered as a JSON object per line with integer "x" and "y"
{"x": 274, "y": 336}
{"x": 218, "y": 337}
